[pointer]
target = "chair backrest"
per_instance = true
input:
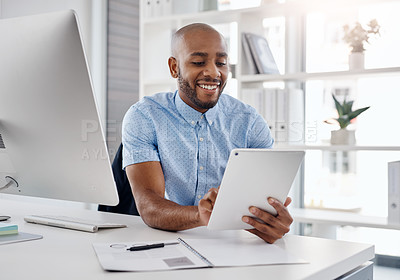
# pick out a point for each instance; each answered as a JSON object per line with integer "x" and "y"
{"x": 126, "y": 203}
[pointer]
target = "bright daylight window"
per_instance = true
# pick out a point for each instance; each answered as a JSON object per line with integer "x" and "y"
{"x": 354, "y": 180}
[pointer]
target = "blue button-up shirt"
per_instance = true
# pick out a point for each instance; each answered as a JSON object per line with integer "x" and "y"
{"x": 193, "y": 148}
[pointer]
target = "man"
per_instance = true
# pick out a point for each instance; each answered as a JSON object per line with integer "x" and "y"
{"x": 176, "y": 145}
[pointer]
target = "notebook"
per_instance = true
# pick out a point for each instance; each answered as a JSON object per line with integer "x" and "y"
{"x": 7, "y": 228}
{"x": 192, "y": 253}
{"x": 19, "y": 237}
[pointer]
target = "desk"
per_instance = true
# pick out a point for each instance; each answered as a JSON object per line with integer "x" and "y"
{"x": 68, "y": 254}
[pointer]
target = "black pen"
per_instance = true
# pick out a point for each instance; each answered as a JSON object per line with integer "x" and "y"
{"x": 150, "y": 246}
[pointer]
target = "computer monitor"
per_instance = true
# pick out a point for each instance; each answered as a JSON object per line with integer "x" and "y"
{"x": 52, "y": 144}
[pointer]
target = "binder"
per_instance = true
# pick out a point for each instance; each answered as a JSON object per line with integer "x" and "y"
{"x": 254, "y": 98}
{"x": 281, "y": 124}
{"x": 289, "y": 125}
{"x": 148, "y": 9}
{"x": 282, "y": 109}
{"x": 157, "y": 8}
{"x": 295, "y": 116}
{"x": 270, "y": 109}
{"x": 166, "y": 7}
{"x": 394, "y": 192}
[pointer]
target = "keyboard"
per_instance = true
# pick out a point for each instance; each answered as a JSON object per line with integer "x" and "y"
{"x": 71, "y": 222}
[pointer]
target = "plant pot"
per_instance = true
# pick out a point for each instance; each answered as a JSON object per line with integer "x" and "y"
{"x": 343, "y": 137}
{"x": 356, "y": 61}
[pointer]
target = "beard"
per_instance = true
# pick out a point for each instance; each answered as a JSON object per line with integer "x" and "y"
{"x": 191, "y": 94}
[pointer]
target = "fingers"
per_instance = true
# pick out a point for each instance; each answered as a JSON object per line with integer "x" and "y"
{"x": 206, "y": 205}
{"x": 267, "y": 223}
{"x": 269, "y": 238}
{"x": 282, "y": 212}
{"x": 267, "y": 226}
{"x": 208, "y": 201}
{"x": 287, "y": 201}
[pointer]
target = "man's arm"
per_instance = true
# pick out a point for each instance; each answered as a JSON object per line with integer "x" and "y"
{"x": 148, "y": 188}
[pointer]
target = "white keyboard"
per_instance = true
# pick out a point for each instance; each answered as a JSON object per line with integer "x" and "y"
{"x": 71, "y": 222}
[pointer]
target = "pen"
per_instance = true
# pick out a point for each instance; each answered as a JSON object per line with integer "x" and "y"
{"x": 150, "y": 246}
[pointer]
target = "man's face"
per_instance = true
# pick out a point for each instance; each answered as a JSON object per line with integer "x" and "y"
{"x": 201, "y": 69}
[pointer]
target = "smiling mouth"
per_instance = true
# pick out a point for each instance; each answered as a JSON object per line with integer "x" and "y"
{"x": 209, "y": 87}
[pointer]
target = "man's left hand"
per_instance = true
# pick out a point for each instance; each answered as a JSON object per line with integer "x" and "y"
{"x": 270, "y": 228}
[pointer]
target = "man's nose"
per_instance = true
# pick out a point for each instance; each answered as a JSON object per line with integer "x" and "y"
{"x": 212, "y": 71}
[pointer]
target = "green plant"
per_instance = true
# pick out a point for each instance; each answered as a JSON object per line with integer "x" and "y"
{"x": 345, "y": 112}
{"x": 358, "y": 35}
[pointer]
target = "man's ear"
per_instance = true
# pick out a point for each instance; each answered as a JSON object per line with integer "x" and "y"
{"x": 173, "y": 67}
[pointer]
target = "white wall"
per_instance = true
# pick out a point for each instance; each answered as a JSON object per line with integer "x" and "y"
{"x": 92, "y": 16}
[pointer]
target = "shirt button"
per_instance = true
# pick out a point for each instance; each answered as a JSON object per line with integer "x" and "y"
{"x": 193, "y": 122}
{"x": 199, "y": 196}
{"x": 201, "y": 167}
{"x": 201, "y": 139}
{"x": 201, "y": 117}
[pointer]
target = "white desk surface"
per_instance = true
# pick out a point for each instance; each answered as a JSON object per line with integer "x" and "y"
{"x": 68, "y": 254}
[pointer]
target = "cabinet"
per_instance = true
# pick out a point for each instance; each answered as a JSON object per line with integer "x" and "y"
{"x": 302, "y": 67}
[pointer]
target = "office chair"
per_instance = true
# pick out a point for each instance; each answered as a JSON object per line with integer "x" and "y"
{"x": 126, "y": 203}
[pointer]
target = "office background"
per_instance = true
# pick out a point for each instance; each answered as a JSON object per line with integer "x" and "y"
{"x": 115, "y": 30}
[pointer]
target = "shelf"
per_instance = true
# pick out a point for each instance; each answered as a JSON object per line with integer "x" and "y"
{"x": 328, "y": 147}
{"x": 320, "y": 75}
{"x": 221, "y": 16}
{"x": 209, "y": 16}
{"x": 328, "y": 217}
{"x": 267, "y": 9}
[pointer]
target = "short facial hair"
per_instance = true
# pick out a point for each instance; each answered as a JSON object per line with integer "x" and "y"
{"x": 191, "y": 94}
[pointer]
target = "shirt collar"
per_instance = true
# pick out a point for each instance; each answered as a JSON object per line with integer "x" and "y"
{"x": 191, "y": 115}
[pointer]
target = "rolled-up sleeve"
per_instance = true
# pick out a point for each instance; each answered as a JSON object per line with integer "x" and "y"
{"x": 138, "y": 138}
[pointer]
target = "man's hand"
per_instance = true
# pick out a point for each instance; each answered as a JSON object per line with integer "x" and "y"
{"x": 206, "y": 205}
{"x": 273, "y": 227}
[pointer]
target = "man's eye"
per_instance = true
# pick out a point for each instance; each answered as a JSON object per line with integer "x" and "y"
{"x": 197, "y": 63}
{"x": 221, "y": 64}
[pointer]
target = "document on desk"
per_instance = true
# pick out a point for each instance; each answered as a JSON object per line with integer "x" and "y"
{"x": 191, "y": 253}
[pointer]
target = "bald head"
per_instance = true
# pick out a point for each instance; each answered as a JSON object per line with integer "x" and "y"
{"x": 193, "y": 28}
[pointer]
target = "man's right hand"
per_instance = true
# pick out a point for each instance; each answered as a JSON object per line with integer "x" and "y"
{"x": 206, "y": 205}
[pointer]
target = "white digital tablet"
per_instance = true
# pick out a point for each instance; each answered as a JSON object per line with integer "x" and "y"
{"x": 251, "y": 176}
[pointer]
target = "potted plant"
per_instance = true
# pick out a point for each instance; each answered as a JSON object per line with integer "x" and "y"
{"x": 356, "y": 37}
{"x": 343, "y": 136}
